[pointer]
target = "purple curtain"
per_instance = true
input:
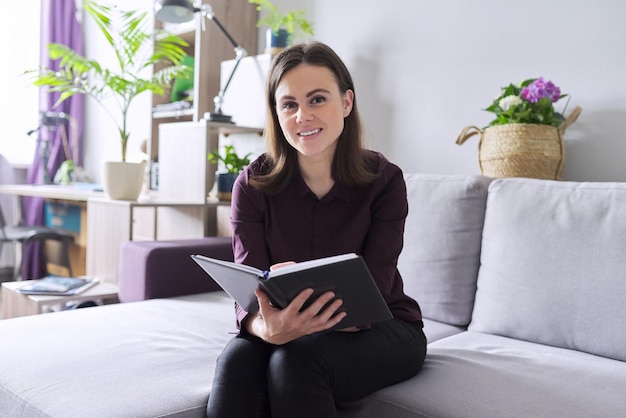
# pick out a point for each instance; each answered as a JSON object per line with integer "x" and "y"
{"x": 59, "y": 24}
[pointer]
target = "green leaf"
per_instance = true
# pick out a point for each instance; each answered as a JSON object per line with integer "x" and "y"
{"x": 275, "y": 20}
{"x": 233, "y": 163}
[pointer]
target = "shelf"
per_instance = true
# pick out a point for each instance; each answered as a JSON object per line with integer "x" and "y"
{"x": 185, "y": 173}
{"x": 209, "y": 48}
{"x": 173, "y": 113}
{"x": 230, "y": 128}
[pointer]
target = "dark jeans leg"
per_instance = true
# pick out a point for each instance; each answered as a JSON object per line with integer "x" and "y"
{"x": 240, "y": 382}
{"x": 308, "y": 376}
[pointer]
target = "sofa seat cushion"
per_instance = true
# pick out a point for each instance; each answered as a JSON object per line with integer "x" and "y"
{"x": 480, "y": 375}
{"x": 436, "y": 330}
{"x": 552, "y": 265}
{"x": 441, "y": 254}
{"x": 150, "y": 358}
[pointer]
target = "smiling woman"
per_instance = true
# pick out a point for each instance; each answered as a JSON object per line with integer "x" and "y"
{"x": 19, "y": 104}
{"x": 290, "y": 362}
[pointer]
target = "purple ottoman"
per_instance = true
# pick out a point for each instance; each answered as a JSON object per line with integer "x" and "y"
{"x": 162, "y": 269}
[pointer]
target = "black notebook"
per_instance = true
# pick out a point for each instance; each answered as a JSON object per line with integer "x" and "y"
{"x": 347, "y": 275}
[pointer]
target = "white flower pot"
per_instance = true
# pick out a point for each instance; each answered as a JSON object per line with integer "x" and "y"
{"x": 122, "y": 180}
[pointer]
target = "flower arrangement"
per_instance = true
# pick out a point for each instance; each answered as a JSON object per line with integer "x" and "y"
{"x": 532, "y": 101}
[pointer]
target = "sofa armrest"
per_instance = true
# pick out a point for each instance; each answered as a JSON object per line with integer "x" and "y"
{"x": 160, "y": 269}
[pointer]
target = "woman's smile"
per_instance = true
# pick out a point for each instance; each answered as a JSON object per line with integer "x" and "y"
{"x": 309, "y": 134}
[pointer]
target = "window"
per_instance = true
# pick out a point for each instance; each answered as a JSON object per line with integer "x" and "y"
{"x": 20, "y": 99}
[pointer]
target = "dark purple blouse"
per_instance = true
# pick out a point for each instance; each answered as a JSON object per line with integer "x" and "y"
{"x": 294, "y": 225}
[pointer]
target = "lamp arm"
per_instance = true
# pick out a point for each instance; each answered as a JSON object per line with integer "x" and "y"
{"x": 240, "y": 52}
{"x": 207, "y": 12}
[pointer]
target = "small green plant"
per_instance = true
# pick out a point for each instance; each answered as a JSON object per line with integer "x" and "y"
{"x": 233, "y": 163}
{"x": 275, "y": 20}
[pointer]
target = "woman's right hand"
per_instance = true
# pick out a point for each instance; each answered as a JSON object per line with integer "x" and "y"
{"x": 280, "y": 326}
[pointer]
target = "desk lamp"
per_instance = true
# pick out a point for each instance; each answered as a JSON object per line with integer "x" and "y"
{"x": 180, "y": 11}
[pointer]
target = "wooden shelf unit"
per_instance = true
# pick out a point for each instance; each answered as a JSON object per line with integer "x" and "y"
{"x": 209, "y": 48}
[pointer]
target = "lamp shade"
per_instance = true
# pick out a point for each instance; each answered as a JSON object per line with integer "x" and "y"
{"x": 174, "y": 11}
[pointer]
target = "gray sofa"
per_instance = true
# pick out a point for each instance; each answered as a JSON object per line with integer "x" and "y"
{"x": 521, "y": 281}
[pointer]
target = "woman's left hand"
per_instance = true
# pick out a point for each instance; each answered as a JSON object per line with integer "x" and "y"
{"x": 280, "y": 326}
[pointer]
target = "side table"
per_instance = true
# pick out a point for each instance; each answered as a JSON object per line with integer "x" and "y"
{"x": 15, "y": 304}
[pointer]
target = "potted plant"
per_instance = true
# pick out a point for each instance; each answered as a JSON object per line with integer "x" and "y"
{"x": 136, "y": 48}
{"x": 526, "y": 137}
{"x": 233, "y": 164}
{"x": 281, "y": 26}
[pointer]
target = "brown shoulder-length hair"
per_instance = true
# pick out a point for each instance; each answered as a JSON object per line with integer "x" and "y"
{"x": 350, "y": 165}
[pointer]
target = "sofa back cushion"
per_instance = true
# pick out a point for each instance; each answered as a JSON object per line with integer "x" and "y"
{"x": 440, "y": 259}
{"x": 552, "y": 265}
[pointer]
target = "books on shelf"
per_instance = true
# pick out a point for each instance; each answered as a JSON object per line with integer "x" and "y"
{"x": 57, "y": 286}
{"x": 174, "y": 106}
{"x": 346, "y": 275}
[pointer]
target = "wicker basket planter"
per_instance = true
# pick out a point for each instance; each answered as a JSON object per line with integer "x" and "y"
{"x": 521, "y": 150}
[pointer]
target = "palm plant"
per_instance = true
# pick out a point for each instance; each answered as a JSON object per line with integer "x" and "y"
{"x": 137, "y": 48}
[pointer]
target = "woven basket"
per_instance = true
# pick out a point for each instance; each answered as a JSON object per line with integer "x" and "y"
{"x": 520, "y": 149}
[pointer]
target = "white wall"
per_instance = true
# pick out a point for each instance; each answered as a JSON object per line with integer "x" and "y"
{"x": 101, "y": 139}
{"x": 19, "y": 106}
{"x": 424, "y": 70}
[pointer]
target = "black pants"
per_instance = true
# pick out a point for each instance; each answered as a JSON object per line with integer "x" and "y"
{"x": 306, "y": 377}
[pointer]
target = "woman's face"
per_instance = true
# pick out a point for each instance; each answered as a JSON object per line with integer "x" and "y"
{"x": 311, "y": 110}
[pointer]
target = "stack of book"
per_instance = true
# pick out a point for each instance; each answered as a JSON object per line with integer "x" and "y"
{"x": 171, "y": 107}
{"x": 57, "y": 286}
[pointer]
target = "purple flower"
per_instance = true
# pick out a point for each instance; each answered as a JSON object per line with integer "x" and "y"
{"x": 539, "y": 89}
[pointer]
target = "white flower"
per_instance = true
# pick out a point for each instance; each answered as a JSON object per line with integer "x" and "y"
{"x": 509, "y": 101}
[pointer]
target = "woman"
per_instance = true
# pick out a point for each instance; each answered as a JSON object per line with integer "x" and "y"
{"x": 315, "y": 193}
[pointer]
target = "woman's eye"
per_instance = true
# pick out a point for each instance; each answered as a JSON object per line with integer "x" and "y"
{"x": 318, "y": 99}
{"x": 288, "y": 105}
